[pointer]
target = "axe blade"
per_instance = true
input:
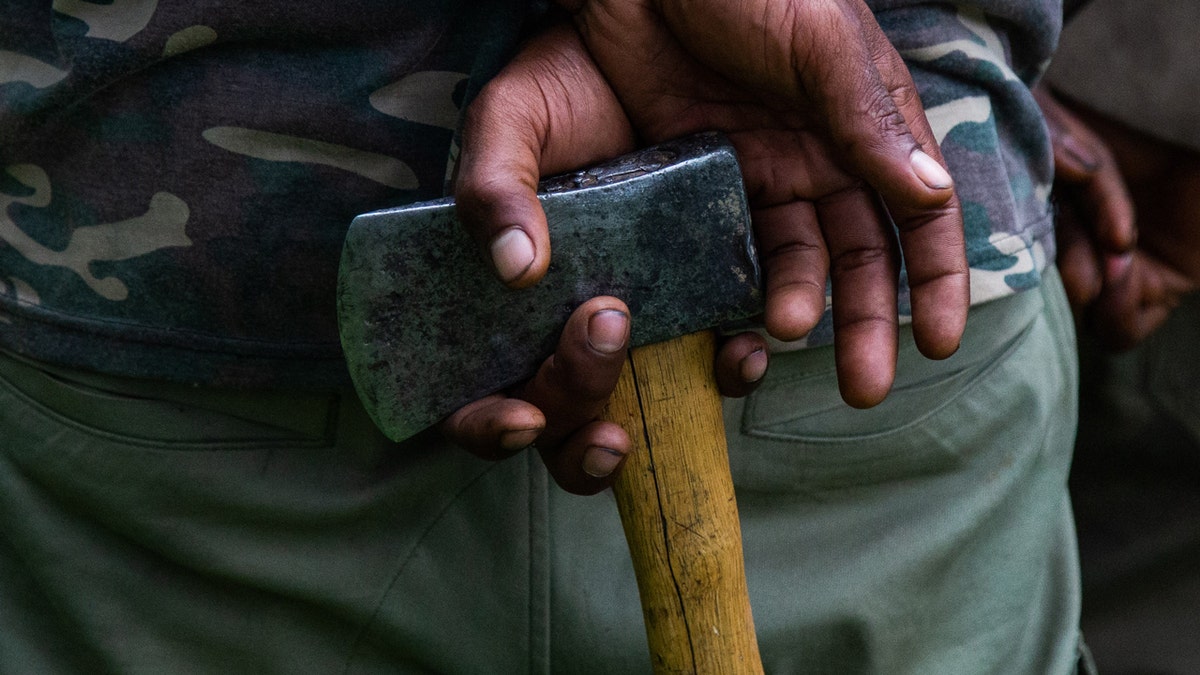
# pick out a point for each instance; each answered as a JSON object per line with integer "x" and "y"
{"x": 426, "y": 327}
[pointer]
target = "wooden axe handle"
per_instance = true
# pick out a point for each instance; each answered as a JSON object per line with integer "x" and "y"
{"x": 675, "y": 495}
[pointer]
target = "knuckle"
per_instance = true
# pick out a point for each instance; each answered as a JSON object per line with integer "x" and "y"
{"x": 819, "y": 32}
{"x": 904, "y": 94}
{"x": 879, "y": 106}
{"x": 578, "y": 384}
{"x": 863, "y": 257}
{"x": 791, "y": 250}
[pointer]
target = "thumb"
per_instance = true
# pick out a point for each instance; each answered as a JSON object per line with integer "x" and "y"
{"x": 497, "y": 176}
{"x": 548, "y": 111}
{"x": 877, "y": 118}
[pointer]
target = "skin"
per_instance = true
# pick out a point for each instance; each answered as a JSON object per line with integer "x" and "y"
{"x": 1129, "y": 248}
{"x": 538, "y": 117}
{"x": 827, "y": 124}
{"x": 832, "y": 140}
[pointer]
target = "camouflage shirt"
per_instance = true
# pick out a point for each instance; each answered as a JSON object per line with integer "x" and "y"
{"x": 176, "y": 178}
{"x": 973, "y": 63}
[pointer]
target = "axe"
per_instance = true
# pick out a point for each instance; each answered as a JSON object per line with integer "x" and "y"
{"x": 426, "y": 328}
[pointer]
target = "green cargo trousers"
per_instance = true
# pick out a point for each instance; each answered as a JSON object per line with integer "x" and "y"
{"x": 155, "y": 528}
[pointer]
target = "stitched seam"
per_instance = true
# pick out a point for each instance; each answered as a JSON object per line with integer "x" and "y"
{"x": 156, "y": 446}
{"x": 363, "y": 632}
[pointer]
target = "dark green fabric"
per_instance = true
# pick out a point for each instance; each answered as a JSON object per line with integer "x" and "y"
{"x": 148, "y": 528}
{"x": 173, "y": 193}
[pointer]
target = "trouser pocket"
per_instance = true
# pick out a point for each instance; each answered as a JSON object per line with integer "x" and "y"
{"x": 1015, "y": 368}
{"x": 169, "y": 415}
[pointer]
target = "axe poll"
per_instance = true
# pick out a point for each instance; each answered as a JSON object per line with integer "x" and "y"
{"x": 427, "y": 328}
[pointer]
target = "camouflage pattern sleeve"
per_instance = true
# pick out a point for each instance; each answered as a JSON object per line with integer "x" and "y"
{"x": 974, "y": 80}
{"x": 176, "y": 178}
{"x": 973, "y": 64}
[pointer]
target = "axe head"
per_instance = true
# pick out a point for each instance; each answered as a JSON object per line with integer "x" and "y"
{"x": 426, "y": 327}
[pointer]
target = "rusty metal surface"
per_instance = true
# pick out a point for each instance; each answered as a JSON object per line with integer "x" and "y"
{"x": 427, "y": 327}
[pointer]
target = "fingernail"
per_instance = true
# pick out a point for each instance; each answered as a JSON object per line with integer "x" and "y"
{"x": 512, "y": 254}
{"x": 754, "y": 366}
{"x": 1078, "y": 152}
{"x": 1115, "y": 266}
{"x": 607, "y": 331}
{"x": 600, "y": 462}
{"x": 515, "y": 439}
{"x": 929, "y": 171}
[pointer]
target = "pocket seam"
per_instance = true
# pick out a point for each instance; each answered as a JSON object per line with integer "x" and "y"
{"x": 761, "y": 433}
{"x": 165, "y": 445}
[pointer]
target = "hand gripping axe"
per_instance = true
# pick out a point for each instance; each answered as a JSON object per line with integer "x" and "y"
{"x": 426, "y": 328}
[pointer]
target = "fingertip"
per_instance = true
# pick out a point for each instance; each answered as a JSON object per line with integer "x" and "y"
{"x": 590, "y": 459}
{"x": 753, "y": 367}
{"x": 940, "y": 347}
{"x": 608, "y": 330}
{"x": 496, "y": 184}
{"x": 1117, "y": 266}
{"x": 573, "y": 385}
{"x": 1074, "y": 161}
{"x": 792, "y": 313}
{"x": 938, "y": 326}
{"x": 1114, "y": 214}
{"x": 742, "y": 363}
{"x": 930, "y": 171}
{"x": 865, "y": 378}
{"x": 515, "y": 258}
{"x": 1121, "y": 312}
{"x": 507, "y": 220}
{"x": 1081, "y": 286}
{"x": 600, "y": 461}
{"x": 1078, "y": 263}
{"x": 513, "y": 440}
{"x": 494, "y": 427}
{"x": 866, "y": 394}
